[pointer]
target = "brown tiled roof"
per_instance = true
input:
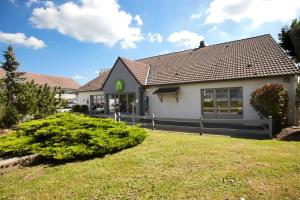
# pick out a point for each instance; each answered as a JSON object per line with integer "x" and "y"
{"x": 138, "y": 69}
{"x": 95, "y": 84}
{"x": 52, "y": 81}
{"x": 247, "y": 58}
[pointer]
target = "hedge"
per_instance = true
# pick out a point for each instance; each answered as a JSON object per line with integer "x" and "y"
{"x": 66, "y": 136}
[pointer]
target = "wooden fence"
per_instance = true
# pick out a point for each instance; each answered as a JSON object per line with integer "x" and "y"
{"x": 201, "y": 125}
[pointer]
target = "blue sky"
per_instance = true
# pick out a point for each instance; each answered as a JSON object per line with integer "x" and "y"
{"x": 75, "y": 38}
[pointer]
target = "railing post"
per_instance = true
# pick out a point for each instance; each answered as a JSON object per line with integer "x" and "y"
{"x": 115, "y": 117}
{"x": 201, "y": 125}
{"x": 270, "y": 127}
{"x": 153, "y": 122}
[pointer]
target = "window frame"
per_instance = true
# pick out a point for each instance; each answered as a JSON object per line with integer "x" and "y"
{"x": 216, "y": 114}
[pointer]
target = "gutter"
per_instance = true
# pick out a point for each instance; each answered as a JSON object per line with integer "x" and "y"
{"x": 146, "y": 81}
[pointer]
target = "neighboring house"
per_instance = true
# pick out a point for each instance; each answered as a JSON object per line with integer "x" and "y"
{"x": 214, "y": 81}
{"x": 91, "y": 94}
{"x": 68, "y": 86}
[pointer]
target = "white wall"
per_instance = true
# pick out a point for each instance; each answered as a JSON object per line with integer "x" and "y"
{"x": 84, "y": 97}
{"x": 189, "y": 101}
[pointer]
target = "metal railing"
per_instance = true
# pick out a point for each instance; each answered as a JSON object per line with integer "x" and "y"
{"x": 201, "y": 125}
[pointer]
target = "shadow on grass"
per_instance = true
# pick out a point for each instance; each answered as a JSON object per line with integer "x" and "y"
{"x": 40, "y": 160}
{"x": 233, "y": 135}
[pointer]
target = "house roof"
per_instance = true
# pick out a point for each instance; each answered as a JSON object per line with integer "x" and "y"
{"x": 95, "y": 84}
{"x": 247, "y": 58}
{"x": 52, "y": 81}
{"x": 138, "y": 69}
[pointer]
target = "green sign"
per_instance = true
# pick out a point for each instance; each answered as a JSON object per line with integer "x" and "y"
{"x": 119, "y": 85}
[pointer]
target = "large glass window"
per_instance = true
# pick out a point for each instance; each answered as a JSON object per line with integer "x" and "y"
{"x": 122, "y": 100}
{"x": 124, "y": 103}
{"x": 208, "y": 101}
{"x": 131, "y": 103}
{"x": 111, "y": 103}
{"x": 97, "y": 103}
{"x": 236, "y": 100}
{"x": 222, "y": 101}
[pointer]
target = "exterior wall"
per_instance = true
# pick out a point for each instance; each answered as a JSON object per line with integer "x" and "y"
{"x": 189, "y": 101}
{"x": 130, "y": 84}
{"x": 83, "y": 98}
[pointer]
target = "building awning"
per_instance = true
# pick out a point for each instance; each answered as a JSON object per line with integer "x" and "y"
{"x": 166, "y": 90}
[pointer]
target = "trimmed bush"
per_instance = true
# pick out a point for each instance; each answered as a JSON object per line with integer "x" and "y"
{"x": 67, "y": 136}
{"x": 84, "y": 108}
{"x": 76, "y": 108}
{"x": 272, "y": 100}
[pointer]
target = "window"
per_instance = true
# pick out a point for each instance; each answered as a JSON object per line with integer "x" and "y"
{"x": 131, "y": 102}
{"x": 236, "y": 100}
{"x": 208, "y": 101}
{"x": 146, "y": 105}
{"x": 111, "y": 103}
{"x": 124, "y": 103}
{"x": 97, "y": 103}
{"x": 222, "y": 101}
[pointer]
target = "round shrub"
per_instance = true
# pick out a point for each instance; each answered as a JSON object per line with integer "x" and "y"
{"x": 76, "y": 108}
{"x": 67, "y": 136}
{"x": 84, "y": 108}
{"x": 272, "y": 100}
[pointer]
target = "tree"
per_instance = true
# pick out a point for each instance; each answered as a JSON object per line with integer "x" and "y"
{"x": 11, "y": 86}
{"x": 21, "y": 99}
{"x": 289, "y": 37}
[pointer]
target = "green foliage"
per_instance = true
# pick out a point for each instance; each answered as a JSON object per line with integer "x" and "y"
{"x": 11, "y": 87}
{"x": 272, "y": 100}
{"x": 289, "y": 37}
{"x": 20, "y": 99}
{"x": 80, "y": 108}
{"x": 76, "y": 108}
{"x": 84, "y": 108}
{"x": 66, "y": 136}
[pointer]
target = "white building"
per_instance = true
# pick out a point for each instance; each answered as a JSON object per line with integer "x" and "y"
{"x": 214, "y": 81}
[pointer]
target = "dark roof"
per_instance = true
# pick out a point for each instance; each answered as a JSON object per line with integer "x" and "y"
{"x": 95, "y": 84}
{"x": 138, "y": 69}
{"x": 165, "y": 90}
{"x": 247, "y": 58}
{"x": 52, "y": 81}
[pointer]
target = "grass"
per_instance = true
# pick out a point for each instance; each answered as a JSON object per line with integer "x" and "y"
{"x": 168, "y": 166}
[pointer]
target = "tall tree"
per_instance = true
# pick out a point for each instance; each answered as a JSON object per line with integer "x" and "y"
{"x": 11, "y": 86}
{"x": 289, "y": 37}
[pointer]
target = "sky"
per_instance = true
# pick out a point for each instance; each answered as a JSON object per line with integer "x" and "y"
{"x": 77, "y": 38}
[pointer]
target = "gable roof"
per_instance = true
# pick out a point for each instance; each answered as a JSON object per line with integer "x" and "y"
{"x": 138, "y": 69}
{"x": 247, "y": 58}
{"x": 95, "y": 84}
{"x": 52, "y": 81}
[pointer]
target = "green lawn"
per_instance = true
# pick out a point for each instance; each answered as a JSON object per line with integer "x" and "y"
{"x": 168, "y": 166}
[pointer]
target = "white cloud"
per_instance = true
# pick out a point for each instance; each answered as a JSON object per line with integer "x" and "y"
{"x": 195, "y": 16}
{"x": 258, "y": 11}
{"x": 79, "y": 77}
{"x": 89, "y": 21}
{"x": 164, "y": 52}
{"x": 155, "y": 37}
{"x": 22, "y": 40}
{"x": 186, "y": 39}
{"x": 29, "y": 3}
{"x": 138, "y": 20}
